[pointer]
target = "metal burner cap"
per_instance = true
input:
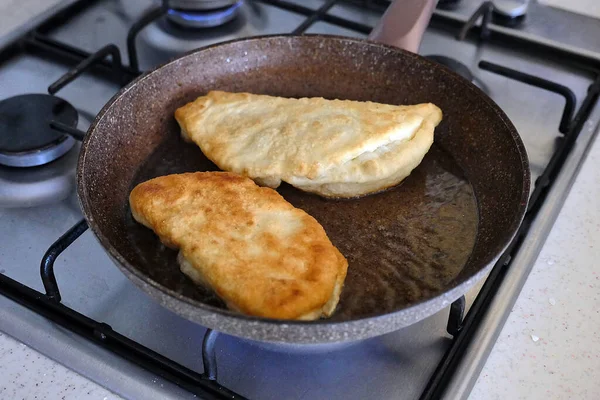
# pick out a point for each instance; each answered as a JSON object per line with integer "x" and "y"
{"x": 511, "y": 8}
{"x": 190, "y": 5}
{"x": 26, "y": 139}
{"x": 199, "y": 17}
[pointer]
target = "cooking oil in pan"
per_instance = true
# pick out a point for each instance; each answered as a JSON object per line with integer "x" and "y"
{"x": 403, "y": 245}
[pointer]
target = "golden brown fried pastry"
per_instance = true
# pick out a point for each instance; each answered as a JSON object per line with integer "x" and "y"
{"x": 260, "y": 254}
{"x": 335, "y": 148}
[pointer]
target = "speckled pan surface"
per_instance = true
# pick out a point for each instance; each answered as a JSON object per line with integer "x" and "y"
{"x": 411, "y": 250}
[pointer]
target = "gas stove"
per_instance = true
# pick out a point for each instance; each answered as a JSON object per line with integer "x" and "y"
{"x": 80, "y": 310}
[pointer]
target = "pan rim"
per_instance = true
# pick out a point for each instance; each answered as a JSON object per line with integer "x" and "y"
{"x": 451, "y": 292}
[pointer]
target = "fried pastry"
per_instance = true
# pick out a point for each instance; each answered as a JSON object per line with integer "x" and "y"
{"x": 335, "y": 148}
{"x": 260, "y": 254}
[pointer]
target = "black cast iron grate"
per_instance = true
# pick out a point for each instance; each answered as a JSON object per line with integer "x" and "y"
{"x": 206, "y": 385}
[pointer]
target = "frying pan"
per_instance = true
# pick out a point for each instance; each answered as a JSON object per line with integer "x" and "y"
{"x": 412, "y": 250}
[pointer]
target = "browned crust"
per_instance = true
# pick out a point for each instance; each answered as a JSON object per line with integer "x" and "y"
{"x": 260, "y": 254}
{"x": 334, "y": 148}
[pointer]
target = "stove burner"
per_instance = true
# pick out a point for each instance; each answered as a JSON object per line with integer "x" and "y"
{"x": 26, "y": 139}
{"x": 510, "y": 22}
{"x": 203, "y": 18}
{"x": 510, "y": 8}
{"x": 454, "y": 65}
{"x": 509, "y": 12}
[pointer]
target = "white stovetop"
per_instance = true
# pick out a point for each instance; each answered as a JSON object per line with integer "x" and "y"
{"x": 548, "y": 349}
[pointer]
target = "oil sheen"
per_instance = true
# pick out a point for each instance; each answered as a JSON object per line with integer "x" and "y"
{"x": 403, "y": 245}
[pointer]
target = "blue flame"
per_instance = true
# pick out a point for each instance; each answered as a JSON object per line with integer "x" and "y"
{"x": 206, "y": 16}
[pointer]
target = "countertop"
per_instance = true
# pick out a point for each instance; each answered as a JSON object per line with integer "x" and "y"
{"x": 548, "y": 349}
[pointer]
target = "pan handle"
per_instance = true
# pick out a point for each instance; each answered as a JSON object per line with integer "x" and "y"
{"x": 404, "y": 23}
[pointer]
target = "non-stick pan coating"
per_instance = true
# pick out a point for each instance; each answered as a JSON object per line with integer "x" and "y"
{"x": 409, "y": 249}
